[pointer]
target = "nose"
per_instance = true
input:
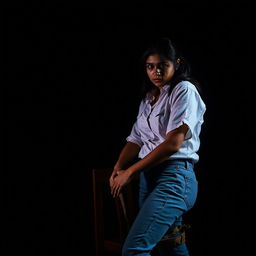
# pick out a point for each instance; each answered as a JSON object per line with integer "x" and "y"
{"x": 158, "y": 71}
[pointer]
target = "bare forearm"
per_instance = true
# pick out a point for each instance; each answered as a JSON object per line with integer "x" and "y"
{"x": 163, "y": 151}
{"x": 155, "y": 157}
{"x": 127, "y": 155}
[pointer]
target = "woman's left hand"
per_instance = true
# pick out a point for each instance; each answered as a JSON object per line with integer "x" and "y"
{"x": 122, "y": 179}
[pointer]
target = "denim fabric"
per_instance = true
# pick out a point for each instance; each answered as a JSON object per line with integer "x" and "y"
{"x": 166, "y": 192}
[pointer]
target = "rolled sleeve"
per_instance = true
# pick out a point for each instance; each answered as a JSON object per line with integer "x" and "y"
{"x": 185, "y": 109}
{"x": 135, "y": 135}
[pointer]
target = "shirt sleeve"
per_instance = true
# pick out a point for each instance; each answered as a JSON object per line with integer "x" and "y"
{"x": 135, "y": 135}
{"x": 186, "y": 108}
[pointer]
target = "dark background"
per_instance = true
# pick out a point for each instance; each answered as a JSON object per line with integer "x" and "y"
{"x": 72, "y": 93}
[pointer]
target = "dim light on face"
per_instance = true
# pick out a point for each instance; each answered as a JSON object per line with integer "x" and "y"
{"x": 159, "y": 70}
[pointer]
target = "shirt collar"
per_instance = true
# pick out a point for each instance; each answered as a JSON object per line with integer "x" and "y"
{"x": 165, "y": 87}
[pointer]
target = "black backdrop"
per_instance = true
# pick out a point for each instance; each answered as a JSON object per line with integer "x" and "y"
{"x": 72, "y": 96}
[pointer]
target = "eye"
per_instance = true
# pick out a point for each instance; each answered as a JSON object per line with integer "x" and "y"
{"x": 149, "y": 66}
{"x": 164, "y": 65}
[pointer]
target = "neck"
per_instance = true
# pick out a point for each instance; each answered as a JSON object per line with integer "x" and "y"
{"x": 155, "y": 92}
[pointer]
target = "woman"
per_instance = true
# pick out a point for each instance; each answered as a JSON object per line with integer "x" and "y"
{"x": 165, "y": 138}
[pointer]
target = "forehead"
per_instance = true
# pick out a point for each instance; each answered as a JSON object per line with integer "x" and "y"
{"x": 155, "y": 58}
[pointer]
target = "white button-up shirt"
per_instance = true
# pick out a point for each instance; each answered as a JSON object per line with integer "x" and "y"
{"x": 184, "y": 105}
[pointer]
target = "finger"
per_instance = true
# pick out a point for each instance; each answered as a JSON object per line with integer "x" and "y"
{"x": 111, "y": 181}
{"x": 112, "y": 189}
{"x": 113, "y": 174}
{"x": 111, "y": 186}
{"x": 118, "y": 192}
{"x": 115, "y": 190}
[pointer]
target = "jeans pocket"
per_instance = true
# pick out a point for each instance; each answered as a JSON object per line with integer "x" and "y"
{"x": 191, "y": 188}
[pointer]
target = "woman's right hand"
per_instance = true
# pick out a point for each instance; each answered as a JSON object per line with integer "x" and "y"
{"x": 114, "y": 174}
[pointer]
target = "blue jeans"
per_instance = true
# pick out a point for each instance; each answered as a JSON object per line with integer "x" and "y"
{"x": 166, "y": 192}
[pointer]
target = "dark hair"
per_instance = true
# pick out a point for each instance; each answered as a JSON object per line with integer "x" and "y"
{"x": 165, "y": 48}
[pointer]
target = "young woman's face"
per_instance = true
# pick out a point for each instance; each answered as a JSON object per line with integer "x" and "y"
{"x": 160, "y": 70}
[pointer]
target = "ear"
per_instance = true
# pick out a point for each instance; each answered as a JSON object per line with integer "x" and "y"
{"x": 177, "y": 63}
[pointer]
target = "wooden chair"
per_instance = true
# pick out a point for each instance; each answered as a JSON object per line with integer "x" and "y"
{"x": 112, "y": 217}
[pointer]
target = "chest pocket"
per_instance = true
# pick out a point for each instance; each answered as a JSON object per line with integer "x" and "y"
{"x": 142, "y": 121}
{"x": 141, "y": 112}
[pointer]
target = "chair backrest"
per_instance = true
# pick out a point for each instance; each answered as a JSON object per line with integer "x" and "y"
{"x": 112, "y": 217}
